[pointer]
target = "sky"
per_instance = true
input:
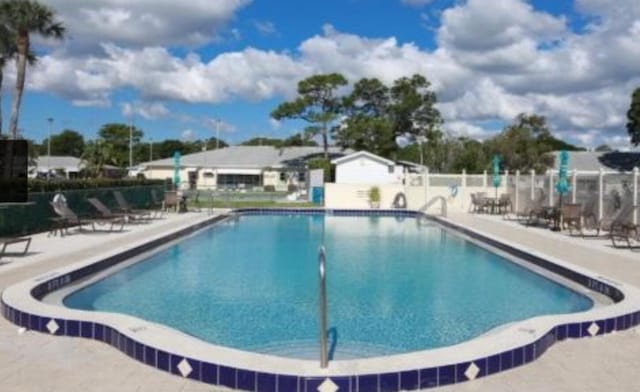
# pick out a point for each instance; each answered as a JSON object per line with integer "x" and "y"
{"x": 174, "y": 68}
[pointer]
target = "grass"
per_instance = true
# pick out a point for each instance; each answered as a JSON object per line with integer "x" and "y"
{"x": 254, "y": 204}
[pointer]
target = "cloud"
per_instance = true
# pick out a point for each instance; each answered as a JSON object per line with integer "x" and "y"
{"x": 416, "y": 3}
{"x": 139, "y": 23}
{"x": 490, "y": 63}
{"x": 148, "y": 110}
{"x": 265, "y": 27}
{"x": 187, "y": 135}
{"x": 275, "y": 124}
{"x": 216, "y": 124}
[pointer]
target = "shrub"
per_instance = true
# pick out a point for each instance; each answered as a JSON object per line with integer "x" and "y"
{"x": 269, "y": 188}
{"x": 374, "y": 194}
{"x": 37, "y": 186}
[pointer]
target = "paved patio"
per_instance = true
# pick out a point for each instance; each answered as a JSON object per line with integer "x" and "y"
{"x": 39, "y": 362}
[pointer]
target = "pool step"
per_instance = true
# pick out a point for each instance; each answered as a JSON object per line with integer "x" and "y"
{"x": 309, "y": 349}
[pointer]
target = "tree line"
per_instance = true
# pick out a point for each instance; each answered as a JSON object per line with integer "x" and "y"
{"x": 401, "y": 122}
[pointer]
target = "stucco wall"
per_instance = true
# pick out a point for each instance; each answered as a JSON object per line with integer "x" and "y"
{"x": 458, "y": 197}
{"x": 364, "y": 170}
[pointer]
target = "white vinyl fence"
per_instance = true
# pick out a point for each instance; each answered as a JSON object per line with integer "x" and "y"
{"x": 603, "y": 190}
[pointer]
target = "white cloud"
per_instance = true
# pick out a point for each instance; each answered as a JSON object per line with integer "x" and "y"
{"x": 145, "y": 22}
{"x": 187, "y": 135}
{"x": 265, "y": 27}
{"x": 148, "y": 110}
{"x": 416, "y": 3}
{"x": 490, "y": 63}
{"x": 275, "y": 124}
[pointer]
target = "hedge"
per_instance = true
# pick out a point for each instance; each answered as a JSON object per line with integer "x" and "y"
{"x": 38, "y": 186}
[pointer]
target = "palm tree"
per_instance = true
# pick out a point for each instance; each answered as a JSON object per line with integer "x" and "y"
{"x": 24, "y": 17}
{"x": 6, "y": 53}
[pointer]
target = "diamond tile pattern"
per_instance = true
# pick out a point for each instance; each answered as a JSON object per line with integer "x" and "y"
{"x": 593, "y": 329}
{"x": 328, "y": 386}
{"x": 472, "y": 371}
{"x": 52, "y": 326}
{"x": 184, "y": 368}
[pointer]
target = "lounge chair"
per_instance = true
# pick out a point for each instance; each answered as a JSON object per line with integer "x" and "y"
{"x": 105, "y": 212}
{"x": 67, "y": 218}
{"x": 6, "y": 241}
{"x": 620, "y": 221}
{"x": 125, "y": 207}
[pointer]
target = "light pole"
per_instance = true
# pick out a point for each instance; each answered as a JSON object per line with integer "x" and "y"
{"x": 217, "y": 133}
{"x": 50, "y": 120}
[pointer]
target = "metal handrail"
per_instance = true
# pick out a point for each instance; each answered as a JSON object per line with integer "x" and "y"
{"x": 324, "y": 354}
{"x": 443, "y": 205}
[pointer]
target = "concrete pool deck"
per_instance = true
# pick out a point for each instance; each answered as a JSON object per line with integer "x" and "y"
{"x": 67, "y": 364}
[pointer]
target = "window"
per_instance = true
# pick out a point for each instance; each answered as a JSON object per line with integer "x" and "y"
{"x": 283, "y": 176}
{"x": 391, "y": 169}
{"x": 208, "y": 175}
{"x": 302, "y": 176}
{"x": 236, "y": 180}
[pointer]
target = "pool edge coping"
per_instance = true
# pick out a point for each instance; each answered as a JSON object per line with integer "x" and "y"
{"x": 419, "y": 368}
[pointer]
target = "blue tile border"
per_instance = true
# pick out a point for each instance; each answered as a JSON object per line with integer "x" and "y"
{"x": 249, "y": 380}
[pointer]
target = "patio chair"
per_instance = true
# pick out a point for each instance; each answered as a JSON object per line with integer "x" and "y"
{"x": 571, "y": 216}
{"x": 504, "y": 203}
{"x": 157, "y": 203}
{"x": 527, "y": 206}
{"x": 170, "y": 200}
{"x": 478, "y": 204}
{"x": 6, "y": 241}
{"x": 125, "y": 207}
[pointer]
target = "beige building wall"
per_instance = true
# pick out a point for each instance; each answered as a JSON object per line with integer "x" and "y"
{"x": 417, "y": 195}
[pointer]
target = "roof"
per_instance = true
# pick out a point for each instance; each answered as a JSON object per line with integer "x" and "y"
{"x": 594, "y": 161}
{"x": 59, "y": 162}
{"x": 69, "y": 163}
{"x": 362, "y": 154}
{"x": 256, "y": 157}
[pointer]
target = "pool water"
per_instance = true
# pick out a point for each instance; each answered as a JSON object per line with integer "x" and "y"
{"x": 393, "y": 286}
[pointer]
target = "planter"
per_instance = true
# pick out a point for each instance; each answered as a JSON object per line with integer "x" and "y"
{"x": 374, "y": 204}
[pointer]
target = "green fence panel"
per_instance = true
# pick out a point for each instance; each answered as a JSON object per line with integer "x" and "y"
{"x": 20, "y": 219}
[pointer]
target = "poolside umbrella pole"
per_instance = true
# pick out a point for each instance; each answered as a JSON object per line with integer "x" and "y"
{"x": 176, "y": 170}
{"x": 496, "y": 173}
{"x": 562, "y": 186}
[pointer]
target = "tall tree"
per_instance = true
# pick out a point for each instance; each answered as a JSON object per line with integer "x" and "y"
{"x": 97, "y": 154}
{"x": 413, "y": 110}
{"x": 66, "y": 143}
{"x": 7, "y": 51}
{"x": 117, "y": 137}
{"x": 24, "y": 17}
{"x": 367, "y": 125}
{"x": 522, "y": 146}
{"x": 633, "y": 116}
{"x": 317, "y": 104}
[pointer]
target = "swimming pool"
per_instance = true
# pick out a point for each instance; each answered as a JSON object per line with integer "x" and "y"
{"x": 394, "y": 286}
{"x": 280, "y": 366}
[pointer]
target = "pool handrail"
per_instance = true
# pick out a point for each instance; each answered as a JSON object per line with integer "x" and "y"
{"x": 322, "y": 279}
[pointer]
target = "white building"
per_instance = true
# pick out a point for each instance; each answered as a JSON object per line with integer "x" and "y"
{"x": 243, "y": 167}
{"x": 364, "y": 167}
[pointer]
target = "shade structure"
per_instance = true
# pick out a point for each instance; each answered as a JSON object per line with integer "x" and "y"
{"x": 562, "y": 186}
{"x": 496, "y": 171}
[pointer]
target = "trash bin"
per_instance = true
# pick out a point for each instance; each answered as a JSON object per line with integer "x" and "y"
{"x": 317, "y": 195}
